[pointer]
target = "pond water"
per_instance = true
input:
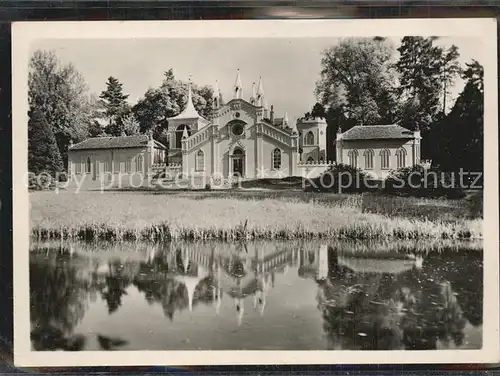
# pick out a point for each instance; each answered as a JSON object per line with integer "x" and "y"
{"x": 307, "y": 295}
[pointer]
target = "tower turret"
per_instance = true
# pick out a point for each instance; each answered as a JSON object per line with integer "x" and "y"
{"x": 260, "y": 94}
{"x": 253, "y": 98}
{"x": 285, "y": 120}
{"x": 238, "y": 87}
{"x": 294, "y": 127}
{"x": 312, "y": 141}
{"x": 216, "y": 97}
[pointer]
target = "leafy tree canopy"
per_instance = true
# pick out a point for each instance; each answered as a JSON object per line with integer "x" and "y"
{"x": 168, "y": 100}
{"x": 357, "y": 76}
{"x": 60, "y": 94}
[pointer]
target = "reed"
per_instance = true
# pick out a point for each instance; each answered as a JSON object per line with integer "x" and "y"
{"x": 121, "y": 216}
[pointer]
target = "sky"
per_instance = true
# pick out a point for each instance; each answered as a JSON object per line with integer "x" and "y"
{"x": 289, "y": 68}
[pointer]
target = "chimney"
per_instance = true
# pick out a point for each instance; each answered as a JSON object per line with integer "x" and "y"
{"x": 271, "y": 115}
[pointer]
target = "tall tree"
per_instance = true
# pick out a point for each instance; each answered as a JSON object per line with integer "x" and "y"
{"x": 450, "y": 70}
{"x": 420, "y": 69}
{"x": 426, "y": 71}
{"x": 60, "y": 93}
{"x": 357, "y": 76}
{"x": 43, "y": 153}
{"x": 168, "y": 100}
{"x": 461, "y": 132}
{"x": 115, "y": 106}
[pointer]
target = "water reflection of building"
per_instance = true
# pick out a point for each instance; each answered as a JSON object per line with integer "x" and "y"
{"x": 313, "y": 263}
{"x": 377, "y": 266}
{"x": 252, "y": 274}
{"x": 239, "y": 275}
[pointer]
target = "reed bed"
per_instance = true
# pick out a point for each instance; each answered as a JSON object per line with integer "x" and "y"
{"x": 121, "y": 216}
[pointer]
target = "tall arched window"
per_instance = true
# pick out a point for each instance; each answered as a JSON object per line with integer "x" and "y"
{"x": 369, "y": 159}
{"x": 384, "y": 159}
{"x": 78, "y": 167}
{"x": 200, "y": 161}
{"x": 309, "y": 138}
{"x": 276, "y": 159}
{"x": 401, "y": 157}
{"x": 139, "y": 161}
{"x": 178, "y": 135}
{"x": 88, "y": 166}
{"x": 353, "y": 157}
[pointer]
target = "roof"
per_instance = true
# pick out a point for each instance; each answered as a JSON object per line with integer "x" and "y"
{"x": 189, "y": 111}
{"x": 374, "y": 132}
{"x": 278, "y": 121}
{"x": 279, "y": 126}
{"x": 121, "y": 142}
{"x": 377, "y": 266}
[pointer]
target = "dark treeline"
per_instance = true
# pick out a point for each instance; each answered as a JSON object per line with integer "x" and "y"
{"x": 367, "y": 81}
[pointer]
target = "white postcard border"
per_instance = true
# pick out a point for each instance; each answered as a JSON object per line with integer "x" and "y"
{"x": 25, "y": 33}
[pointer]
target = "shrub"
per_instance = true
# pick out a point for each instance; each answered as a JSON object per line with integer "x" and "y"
{"x": 419, "y": 182}
{"x": 41, "y": 182}
{"x": 208, "y": 187}
{"x": 342, "y": 178}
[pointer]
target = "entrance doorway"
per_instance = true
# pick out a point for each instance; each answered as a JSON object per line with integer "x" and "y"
{"x": 238, "y": 158}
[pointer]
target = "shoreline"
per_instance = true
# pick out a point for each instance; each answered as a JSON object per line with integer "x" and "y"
{"x": 139, "y": 217}
{"x": 384, "y": 229}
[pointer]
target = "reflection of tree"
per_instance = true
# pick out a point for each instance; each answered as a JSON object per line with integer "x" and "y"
{"x": 357, "y": 316}
{"x": 119, "y": 278}
{"x": 109, "y": 343}
{"x": 432, "y": 314}
{"x": 204, "y": 292}
{"x": 171, "y": 294}
{"x": 413, "y": 309}
{"x": 57, "y": 299}
{"x": 465, "y": 272}
{"x": 50, "y": 338}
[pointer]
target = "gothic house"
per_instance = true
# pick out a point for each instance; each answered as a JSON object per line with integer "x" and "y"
{"x": 243, "y": 138}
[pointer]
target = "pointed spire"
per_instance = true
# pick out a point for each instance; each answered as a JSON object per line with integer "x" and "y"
{"x": 190, "y": 93}
{"x": 216, "y": 97}
{"x": 238, "y": 87}
{"x": 216, "y": 89}
{"x": 185, "y": 258}
{"x": 189, "y": 111}
{"x": 254, "y": 94}
{"x": 285, "y": 119}
{"x": 218, "y": 301}
{"x": 260, "y": 88}
{"x": 261, "y": 100}
{"x": 185, "y": 133}
{"x": 239, "y": 311}
{"x": 294, "y": 127}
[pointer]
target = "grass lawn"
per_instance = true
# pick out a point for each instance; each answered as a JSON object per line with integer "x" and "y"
{"x": 231, "y": 215}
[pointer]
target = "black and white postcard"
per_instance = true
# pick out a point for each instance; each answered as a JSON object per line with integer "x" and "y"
{"x": 255, "y": 192}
